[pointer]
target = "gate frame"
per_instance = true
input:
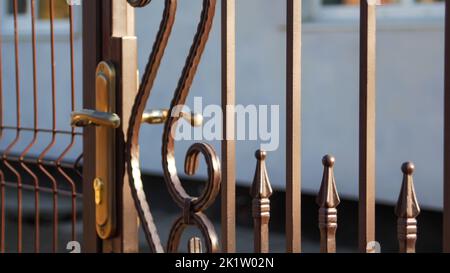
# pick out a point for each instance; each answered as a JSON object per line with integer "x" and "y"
{"x": 108, "y": 35}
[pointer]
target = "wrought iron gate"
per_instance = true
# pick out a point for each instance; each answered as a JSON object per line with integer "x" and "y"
{"x": 114, "y": 111}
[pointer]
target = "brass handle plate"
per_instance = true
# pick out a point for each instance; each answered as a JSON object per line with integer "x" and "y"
{"x": 105, "y": 181}
{"x": 106, "y": 122}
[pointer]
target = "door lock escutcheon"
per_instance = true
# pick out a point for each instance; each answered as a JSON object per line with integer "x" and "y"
{"x": 106, "y": 122}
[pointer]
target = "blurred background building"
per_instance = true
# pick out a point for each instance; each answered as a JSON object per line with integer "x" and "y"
{"x": 410, "y": 88}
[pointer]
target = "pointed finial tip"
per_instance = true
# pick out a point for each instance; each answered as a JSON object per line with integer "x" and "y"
{"x": 195, "y": 245}
{"x": 408, "y": 168}
{"x": 261, "y": 155}
{"x": 328, "y": 161}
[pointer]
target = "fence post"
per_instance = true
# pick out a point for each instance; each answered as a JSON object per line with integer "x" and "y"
{"x": 407, "y": 210}
{"x": 446, "y": 241}
{"x": 293, "y": 125}
{"x": 228, "y": 143}
{"x": 367, "y": 110}
{"x": 328, "y": 200}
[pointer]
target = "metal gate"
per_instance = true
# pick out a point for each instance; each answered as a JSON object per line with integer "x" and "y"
{"x": 114, "y": 102}
{"x": 40, "y": 170}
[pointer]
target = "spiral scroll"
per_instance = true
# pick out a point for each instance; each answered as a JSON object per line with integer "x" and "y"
{"x": 193, "y": 207}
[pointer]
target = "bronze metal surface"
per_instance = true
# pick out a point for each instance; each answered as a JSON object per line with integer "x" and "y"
{"x": 328, "y": 200}
{"x": 228, "y": 195}
{"x": 293, "y": 125}
{"x": 261, "y": 191}
{"x": 32, "y": 168}
{"x": 367, "y": 111}
{"x": 407, "y": 210}
{"x": 105, "y": 121}
{"x": 446, "y": 163}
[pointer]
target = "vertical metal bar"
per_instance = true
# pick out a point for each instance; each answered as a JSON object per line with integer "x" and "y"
{"x": 73, "y": 135}
{"x": 53, "y": 138}
{"x": 17, "y": 64}
{"x": 367, "y": 124}
{"x": 328, "y": 200}
{"x": 127, "y": 237}
{"x": 2, "y": 176}
{"x": 92, "y": 54}
{"x": 18, "y": 116}
{"x": 122, "y": 51}
{"x": 77, "y": 164}
{"x": 407, "y": 210}
{"x": 228, "y": 143}
{"x": 18, "y": 127}
{"x": 446, "y": 241}
{"x": 1, "y": 80}
{"x": 35, "y": 131}
{"x": 293, "y": 126}
{"x": 261, "y": 191}
{"x": 72, "y": 94}
{"x": 2, "y": 211}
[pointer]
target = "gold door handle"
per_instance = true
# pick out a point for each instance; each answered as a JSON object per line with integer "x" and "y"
{"x": 160, "y": 116}
{"x": 88, "y": 117}
{"x": 155, "y": 116}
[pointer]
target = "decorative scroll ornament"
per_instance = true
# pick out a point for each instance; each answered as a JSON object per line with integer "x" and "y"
{"x": 193, "y": 207}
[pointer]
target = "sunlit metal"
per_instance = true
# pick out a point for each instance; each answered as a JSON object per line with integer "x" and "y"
{"x": 261, "y": 191}
{"x": 328, "y": 200}
{"x": 407, "y": 210}
{"x": 161, "y": 116}
{"x": 92, "y": 117}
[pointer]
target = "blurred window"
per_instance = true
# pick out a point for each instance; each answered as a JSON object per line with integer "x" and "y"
{"x": 344, "y": 9}
{"x": 42, "y": 13}
{"x": 384, "y": 2}
{"x": 61, "y": 9}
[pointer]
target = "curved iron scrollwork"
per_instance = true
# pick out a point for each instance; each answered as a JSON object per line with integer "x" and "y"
{"x": 192, "y": 207}
{"x": 139, "y": 3}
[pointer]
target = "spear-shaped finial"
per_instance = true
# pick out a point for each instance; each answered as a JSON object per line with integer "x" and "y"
{"x": 261, "y": 192}
{"x": 328, "y": 200}
{"x": 407, "y": 210}
{"x": 195, "y": 245}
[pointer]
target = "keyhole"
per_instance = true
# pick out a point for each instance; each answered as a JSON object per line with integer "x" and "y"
{"x": 98, "y": 188}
